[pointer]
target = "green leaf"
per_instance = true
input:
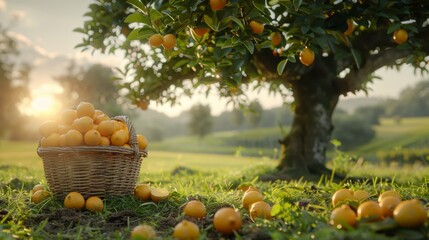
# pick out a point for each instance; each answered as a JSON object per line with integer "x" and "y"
{"x": 258, "y": 6}
{"x": 79, "y": 30}
{"x": 134, "y": 34}
{"x": 140, "y": 33}
{"x": 250, "y": 46}
{"x": 393, "y": 28}
{"x": 180, "y": 63}
{"x": 209, "y": 21}
{"x": 297, "y": 4}
{"x": 281, "y": 66}
{"x": 138, "y": 4}
{"x": 276, "y": 209}
{"x": 236, "y": 20}
{"x": 305, "y": 28}
{"x": 155, "y": 15}
{"x": 336, "y": 143}
{"x": 136, "y": 17}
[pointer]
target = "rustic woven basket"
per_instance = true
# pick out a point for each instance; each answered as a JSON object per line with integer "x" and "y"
{"x": 93, "y": 170}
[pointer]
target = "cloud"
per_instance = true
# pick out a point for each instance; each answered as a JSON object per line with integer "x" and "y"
{"x": 2, "y": 5}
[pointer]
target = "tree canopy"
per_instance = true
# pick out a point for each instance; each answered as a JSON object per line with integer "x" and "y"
{"x": 232, "y": 54}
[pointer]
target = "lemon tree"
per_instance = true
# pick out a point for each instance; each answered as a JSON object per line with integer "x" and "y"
{"x": 323, "y": 49}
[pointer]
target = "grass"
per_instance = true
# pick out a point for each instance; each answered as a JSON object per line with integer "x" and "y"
{"x": 301, "y": 208}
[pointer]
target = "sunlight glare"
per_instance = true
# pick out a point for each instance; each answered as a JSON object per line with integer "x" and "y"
{"x": 43, "y": 105}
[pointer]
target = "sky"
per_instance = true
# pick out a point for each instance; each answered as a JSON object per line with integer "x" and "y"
{"x": 45, "y": 27}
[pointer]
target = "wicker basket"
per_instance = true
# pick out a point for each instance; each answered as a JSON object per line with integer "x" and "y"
{"x": 93, "y": 170}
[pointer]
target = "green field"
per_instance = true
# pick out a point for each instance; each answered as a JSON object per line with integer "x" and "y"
{"x": 412, "y": 133}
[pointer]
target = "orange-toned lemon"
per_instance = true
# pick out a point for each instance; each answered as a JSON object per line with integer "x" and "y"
{"x": 68, "y": 116}
{"x": 106, "y": 128}
{"x": 195, "y": 209}
{"x": 157, "y": 194}
{"x": 200, "y": 31}
{"x": 370, "y": 211}
{"x": 143, "y": 231}
{"x": 92, "y": 138}
{"x": 276, "y": 38}
{"x": 156, "y": 40}
{"x": 400, "y": 36}
{"x": 74, "y": 138}
{"x": 186, "y": 230}
{"x": 360, "y": 195}
{"x": 306, "y": 56}
{"x": 217, "y": 5}
{"x": 388, "y": 204}
{"x": 390, "y": 193}
{"x": 343, "y": 217}
{"x": 83, "y": 124}
{"x": 47, "y": 128}
{"x": 256, "y": 27}
{"x": 142, "y": 141}
{"x": 40, "y": 196}
{"x": 350, "y": 27}
{"x": 101, "y": 118}
{"x": 37, "y": 187}
{"x": 74, "y": 200}
{"x": 251, "y": 197}
{"x": 260, "y": 209}
{"x": 342, "y": 195}
{"x": 227, "y": 220}
{"x": 142, "y": 192}
{"x": 105, "y": 141}
{"x": 169, "y": 41}
{"x": 119, "y": 138}
{"x": 52, "y": 140}
{"x": 410, "y": 214}
{"x": 94, "y": 204}
{"x": 85, "y": 109}
{"x": 97, "y": 113}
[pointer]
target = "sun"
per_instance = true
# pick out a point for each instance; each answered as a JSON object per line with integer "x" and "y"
{"x": 43, "y": 105}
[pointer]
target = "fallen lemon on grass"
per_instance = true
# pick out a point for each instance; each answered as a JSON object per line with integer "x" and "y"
{"x": 343, "y": 217}
{"x": 388, "y": 204}
{"x": 342, "y": 195}
{"x": 195, "y": 209}
{"x": 410, "y": 214}
{"x": 37, "y": 187}
{"x": 94, "y": 204}
{"x": 143, "y": 231}
{"x": 142, "y": 192}
{"x": 157, "y": 195}
{"x": 260, "y": 209}
{"x": 360, "y": 195}
{"x": 186, "y": 230}
{"x": 390, "y": 193}
{"x": 227, "y": 220}
{"x": 40, "y": 196}
{"x": 74, "y": 200}
{"x": 251, "y": 197}
{"x": 370, "y": 211}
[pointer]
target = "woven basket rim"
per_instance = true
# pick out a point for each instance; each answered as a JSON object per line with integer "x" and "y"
{"x": 107, "y": 149}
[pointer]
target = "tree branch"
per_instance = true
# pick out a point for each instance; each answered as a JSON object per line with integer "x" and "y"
{"x": 355, "y": 79}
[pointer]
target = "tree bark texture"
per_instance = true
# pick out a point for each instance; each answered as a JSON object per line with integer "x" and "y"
{"x": 315, "y": 97}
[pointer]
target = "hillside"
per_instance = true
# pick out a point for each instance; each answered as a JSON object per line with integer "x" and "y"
{"x": 412, "y": 133}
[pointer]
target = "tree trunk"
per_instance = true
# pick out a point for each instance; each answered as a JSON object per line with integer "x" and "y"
{"x": 303, "y": 150}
